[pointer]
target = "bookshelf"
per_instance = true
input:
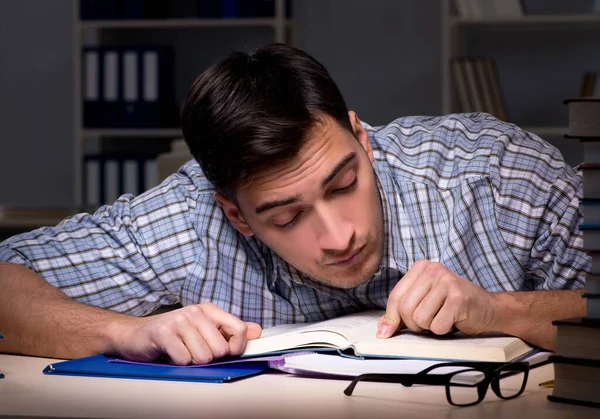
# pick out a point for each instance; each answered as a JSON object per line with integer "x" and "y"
{"x": 283, "y": 28}
{"x": 455, "y": 29}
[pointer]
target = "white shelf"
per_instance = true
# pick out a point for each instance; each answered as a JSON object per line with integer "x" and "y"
{"x": 529, "y": 20}
{"x": 133, "y": 132}
{"x": 176, "y": 23}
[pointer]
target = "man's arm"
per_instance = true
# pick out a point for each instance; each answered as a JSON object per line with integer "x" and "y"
{"x": 529, "y": 314}
{"x": 431, "y": 297}
{"x": 38, "y": 319}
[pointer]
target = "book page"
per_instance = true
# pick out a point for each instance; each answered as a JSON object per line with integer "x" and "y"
{"x": 452, "y": 347}
{"x": 336, "y": 333}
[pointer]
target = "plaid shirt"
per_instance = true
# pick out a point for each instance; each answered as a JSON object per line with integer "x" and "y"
{"x": 493, "y": 203}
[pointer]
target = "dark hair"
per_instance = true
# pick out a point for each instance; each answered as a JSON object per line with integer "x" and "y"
{"x": 250, "y": 112}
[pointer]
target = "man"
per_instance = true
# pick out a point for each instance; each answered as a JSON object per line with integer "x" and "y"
{"x": 300, "y": 212}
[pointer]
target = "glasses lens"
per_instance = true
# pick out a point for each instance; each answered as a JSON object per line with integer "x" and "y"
{"x": 512, "y": 380}
{"x": 463, "y": 387}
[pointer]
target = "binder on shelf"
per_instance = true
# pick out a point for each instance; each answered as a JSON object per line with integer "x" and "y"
{"x": 109, "y": 176}
{"x": 98, "y": 9}
{"x": 92, "y": 86}
{"x": 129, "y": 87}
{"x": 122, "y": 9}
{"x": 244, "y": 9}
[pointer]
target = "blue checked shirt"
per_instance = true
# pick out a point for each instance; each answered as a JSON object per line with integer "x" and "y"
{"x": 493, "y": 203}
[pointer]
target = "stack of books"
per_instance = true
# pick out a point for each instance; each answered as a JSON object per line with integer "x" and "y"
{"x": 577, "y": 358}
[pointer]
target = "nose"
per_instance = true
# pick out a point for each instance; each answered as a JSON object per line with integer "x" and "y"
{"x": 334, "y": 233}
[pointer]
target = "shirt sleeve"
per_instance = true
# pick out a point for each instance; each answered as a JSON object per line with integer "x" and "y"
{"x": 537, "y": 197}
{"x": 130, "y": 257}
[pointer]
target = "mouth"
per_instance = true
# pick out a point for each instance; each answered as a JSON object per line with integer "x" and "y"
{"x": 349, "y": 260}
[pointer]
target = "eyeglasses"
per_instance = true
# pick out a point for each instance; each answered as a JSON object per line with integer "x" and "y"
{"x": 466, "y": 382}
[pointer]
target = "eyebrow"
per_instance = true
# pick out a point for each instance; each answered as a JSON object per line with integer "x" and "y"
{"x": 292, "y": 199}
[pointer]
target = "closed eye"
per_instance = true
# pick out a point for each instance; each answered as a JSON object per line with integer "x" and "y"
{"x": 290, "y": 223}
{"x": 346, "y": 188}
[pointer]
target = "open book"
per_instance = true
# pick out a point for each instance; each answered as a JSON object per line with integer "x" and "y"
{"x": 316, "y": 364}
{"x": 355, "y": 335}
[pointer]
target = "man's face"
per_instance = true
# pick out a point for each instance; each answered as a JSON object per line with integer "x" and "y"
{"x": 321, "y": 213}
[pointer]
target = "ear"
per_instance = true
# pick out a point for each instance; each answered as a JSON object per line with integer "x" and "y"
{"x": 361, "y": 134}
{"x": 233, "y": 213}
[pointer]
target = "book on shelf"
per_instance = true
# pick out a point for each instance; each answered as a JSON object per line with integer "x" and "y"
{"x": 589, "y": 86}
{"x": 477, "y": 85}
{"x": 576, "y": 381}
{"x": 489, "y": 9}
{"x": 355, "y": 335}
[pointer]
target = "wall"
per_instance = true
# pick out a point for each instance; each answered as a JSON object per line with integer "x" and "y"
{"x": 384, "y": 55}
{"x": 36, "y": 106}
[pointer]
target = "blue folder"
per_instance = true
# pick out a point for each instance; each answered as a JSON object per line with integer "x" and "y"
{"x": 105, "y": 366}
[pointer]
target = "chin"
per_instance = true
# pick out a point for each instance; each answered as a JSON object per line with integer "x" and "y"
{"x": 346, "y": 281}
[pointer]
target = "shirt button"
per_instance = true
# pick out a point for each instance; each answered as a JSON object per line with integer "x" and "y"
{"x": 378, "y": 273}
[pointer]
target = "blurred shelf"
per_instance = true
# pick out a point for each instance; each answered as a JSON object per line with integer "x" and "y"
{"x": 176, "y": 23}
{"x": 132, "y": 132}
{"x": 29, "y": 223}
{"x": 549, "y": 130}
{"x": 529, "y": 20}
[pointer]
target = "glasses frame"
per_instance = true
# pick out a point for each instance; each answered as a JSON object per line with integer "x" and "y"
{"x": 493, "y": 372}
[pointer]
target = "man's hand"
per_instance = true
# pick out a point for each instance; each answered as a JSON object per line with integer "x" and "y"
{"x": 194, "y": 334}
{"x": 431, "y": 297}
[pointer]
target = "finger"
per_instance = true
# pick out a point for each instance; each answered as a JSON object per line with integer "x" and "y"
{"x": 443, "y": 321}
{"x": 177, "y": 351}
{"x": 429, "y": 307}
{"x": 411, "y": 300}
{"x": 214, "y": 338}
{"x": 254, "y": 330}
{"x": 230, "y": 326}
{"x": 196, "y": 343}
{"x": 392, "y": 319}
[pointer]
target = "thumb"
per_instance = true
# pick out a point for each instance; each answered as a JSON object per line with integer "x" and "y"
{"x": 254, "y": 330}
{"x": 388, "y": 325}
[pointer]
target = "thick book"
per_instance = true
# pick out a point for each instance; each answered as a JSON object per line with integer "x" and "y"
{"x": 591, "y": 180}
{"x": 576, "y": 381}
{"x": 355, "y": 335}
{"x": 592, "y": 311}
{"x": 578, "y": 338}
{"x": 592, "y": 284}
{"x": 584, "y": 120}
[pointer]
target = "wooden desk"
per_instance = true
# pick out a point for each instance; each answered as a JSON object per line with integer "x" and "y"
{"x": 25, "y": 391}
